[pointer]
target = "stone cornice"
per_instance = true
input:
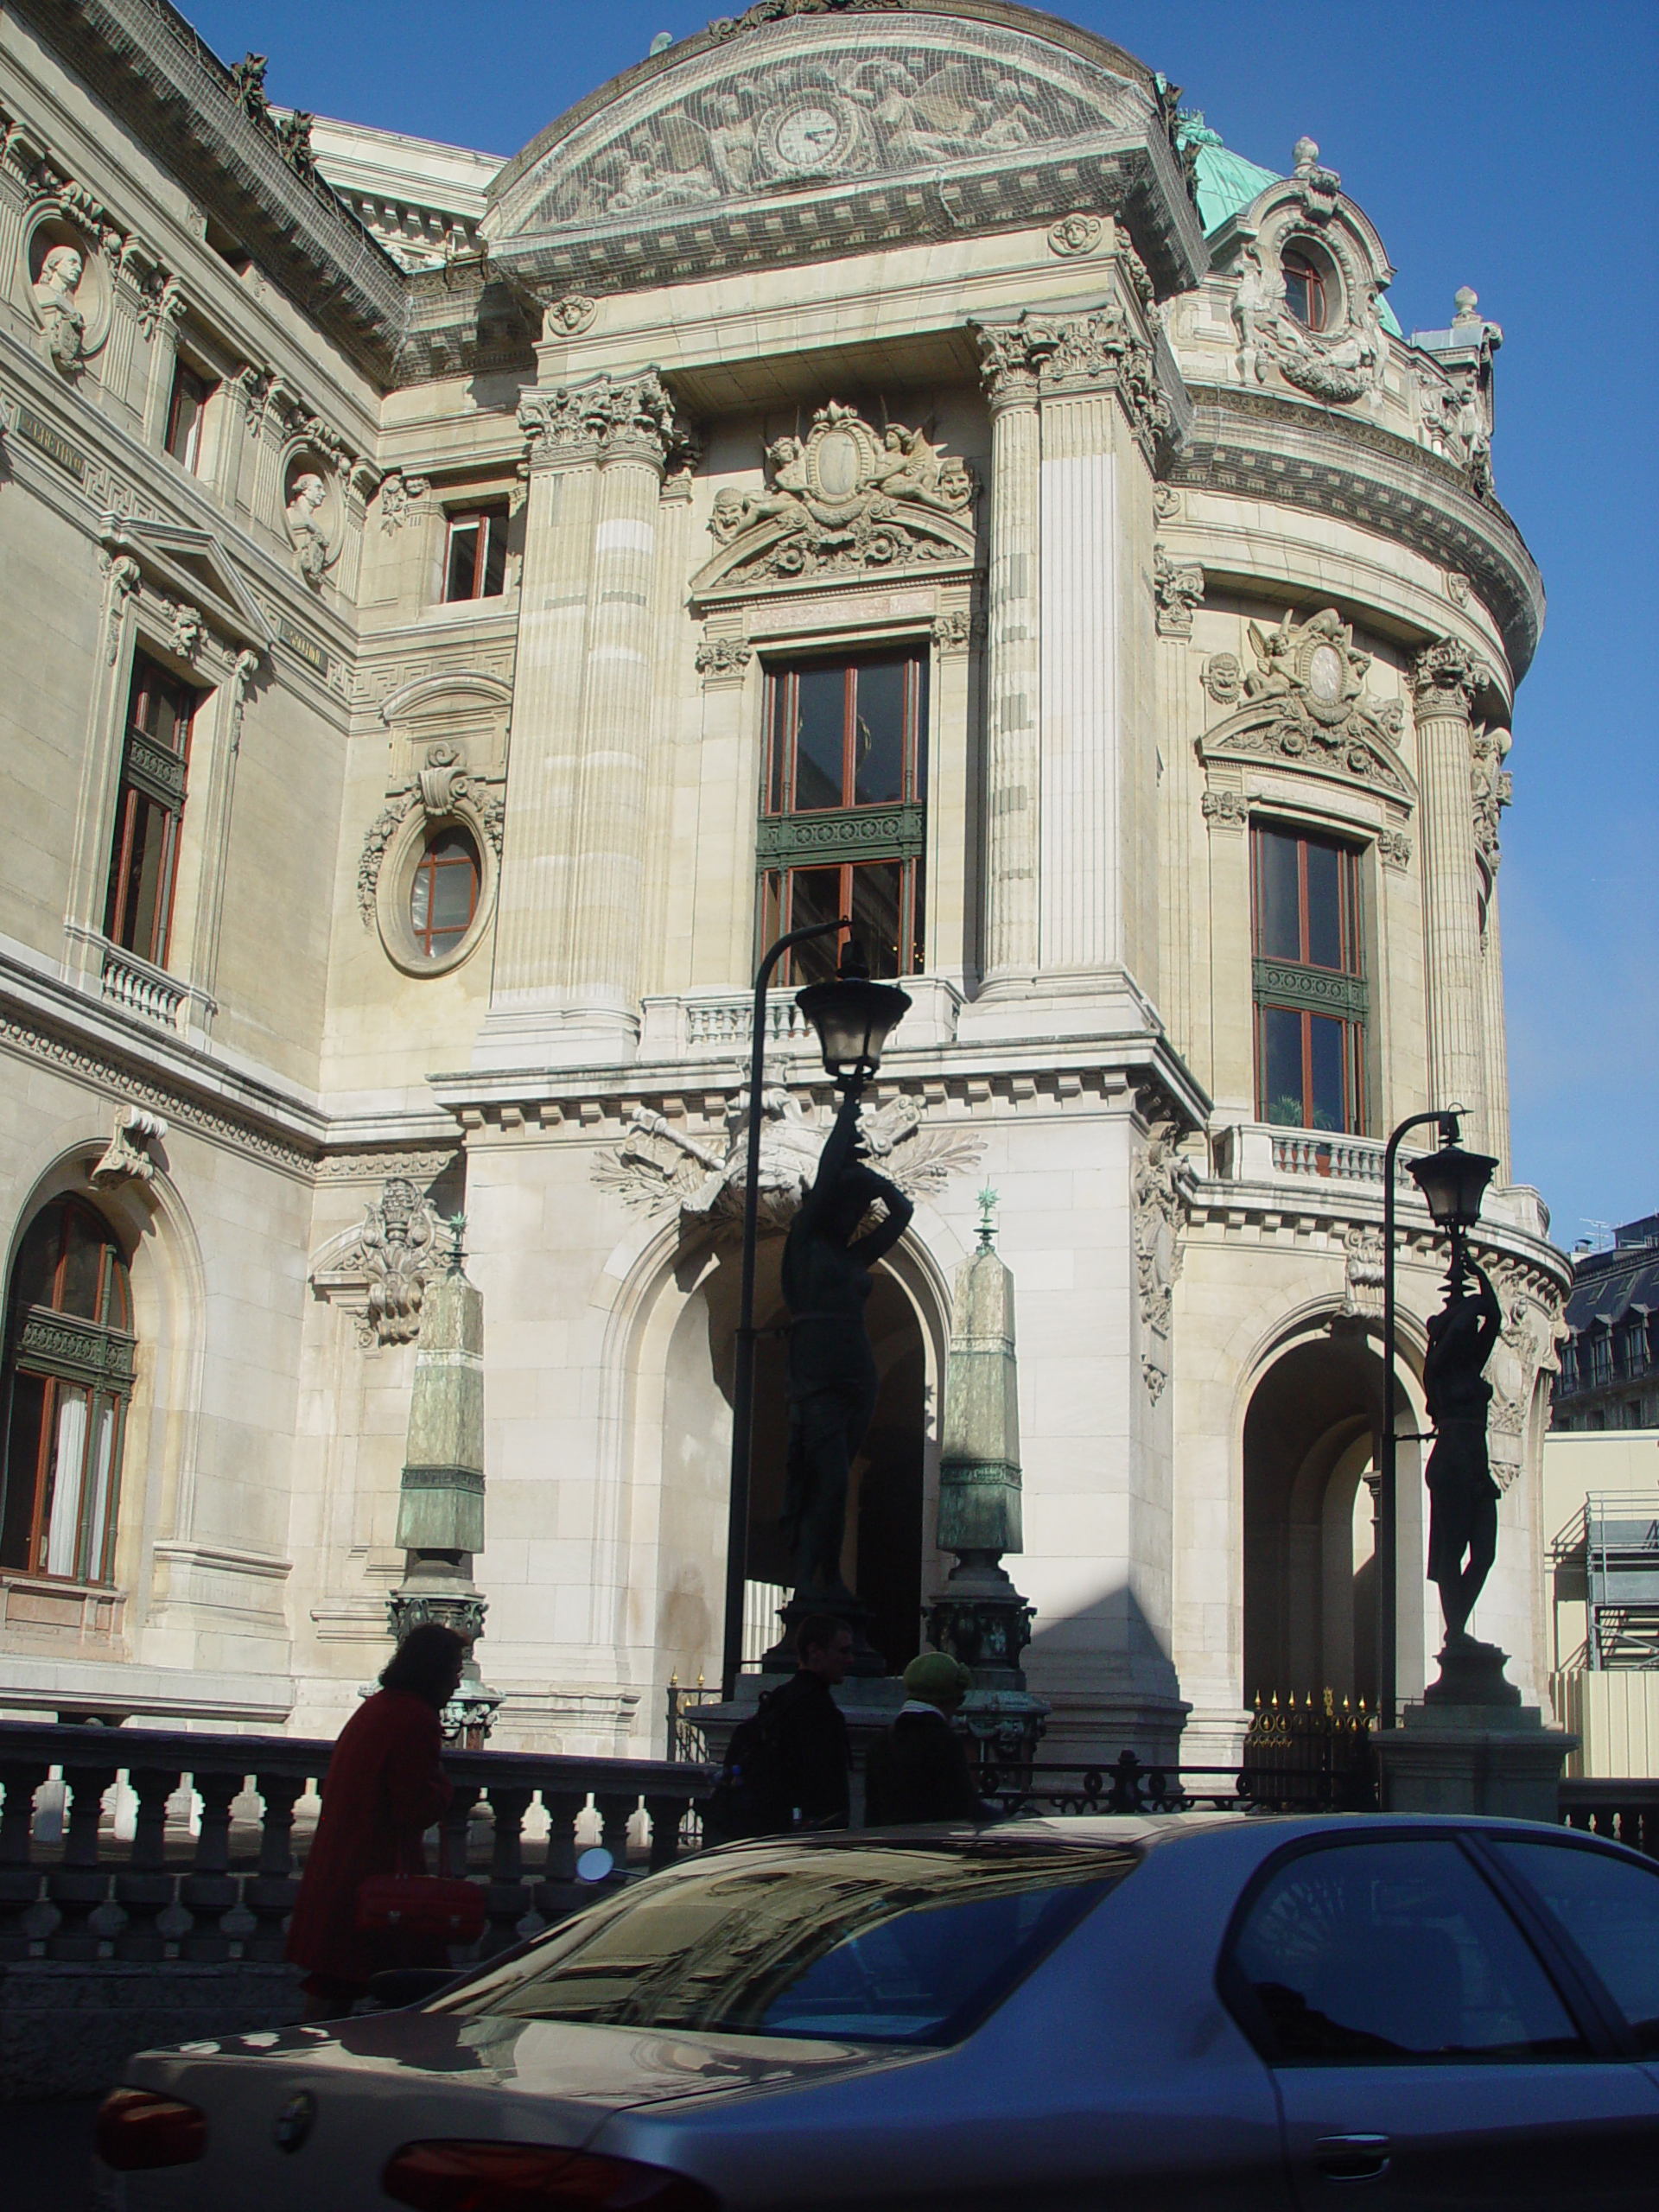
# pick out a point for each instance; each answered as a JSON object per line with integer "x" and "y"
{"x": 1300, "y": 455}
{"x": 157, "y": 75}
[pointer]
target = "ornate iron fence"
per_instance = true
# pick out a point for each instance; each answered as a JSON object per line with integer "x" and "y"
{"x": 1317, "y": 1755}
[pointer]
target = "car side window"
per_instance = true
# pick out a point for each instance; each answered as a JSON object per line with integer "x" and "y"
{"x": 1394, "y": 1950}
{"x": 1610, "y": 1907}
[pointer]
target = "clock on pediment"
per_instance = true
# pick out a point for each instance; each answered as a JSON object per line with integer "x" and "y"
{"x": 809, "y": 136}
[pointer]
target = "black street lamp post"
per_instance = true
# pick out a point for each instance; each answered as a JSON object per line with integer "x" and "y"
{"x": 852, "y": 1016}
{"x": 1453, "y": 1183}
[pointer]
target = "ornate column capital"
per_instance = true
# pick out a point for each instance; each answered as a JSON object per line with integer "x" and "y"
{"x": 1444, "y": 679}
{"x": 1041, "y": 354}
{"x": 1011, "y": 354}
{"x": 632, "y": 418}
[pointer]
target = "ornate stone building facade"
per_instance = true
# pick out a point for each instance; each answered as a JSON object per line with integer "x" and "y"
{"x": 887, "y": 456}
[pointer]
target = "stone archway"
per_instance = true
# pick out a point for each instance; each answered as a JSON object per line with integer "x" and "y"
{"x": 886, "y": 1556}
{"x": 1310, "y": 1586}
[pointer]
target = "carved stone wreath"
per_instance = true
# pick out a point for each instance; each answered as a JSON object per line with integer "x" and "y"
{"x": 1306, "y": 704}
{"x": 845, "y": 499}
{"x": 660, "y": 1165}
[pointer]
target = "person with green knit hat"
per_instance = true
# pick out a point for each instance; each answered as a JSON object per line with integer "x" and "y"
{"x": 917, "y": 1771}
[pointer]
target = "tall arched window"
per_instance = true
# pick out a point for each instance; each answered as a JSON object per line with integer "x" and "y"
{"x": 68, "y": 1377}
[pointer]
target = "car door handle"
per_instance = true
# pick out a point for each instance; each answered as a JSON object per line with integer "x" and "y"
{"x": 1353, "y": 2158}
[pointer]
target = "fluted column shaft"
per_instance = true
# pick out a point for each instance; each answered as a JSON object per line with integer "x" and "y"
{"x": 534, "y": 896}
{"x": 1495, "y": 1037}
{"x": 612, "y": 806}
{"x": 1443, "y": 682}
{"x": 1013, "y": 824}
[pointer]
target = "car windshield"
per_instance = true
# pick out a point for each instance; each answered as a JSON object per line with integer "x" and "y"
{"x": 879, "y": 1941}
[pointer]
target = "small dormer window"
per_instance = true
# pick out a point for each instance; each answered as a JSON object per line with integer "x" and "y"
{"x": 1305, "y": 290}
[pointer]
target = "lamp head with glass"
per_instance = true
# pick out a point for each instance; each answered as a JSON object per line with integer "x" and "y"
{"x": 853, "y": 1017}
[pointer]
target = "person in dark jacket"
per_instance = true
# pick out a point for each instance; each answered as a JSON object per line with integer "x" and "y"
{"x": 917, "y": 1771}
{"x": 384, "y": 1788}
{"x": 813, "y": 1755}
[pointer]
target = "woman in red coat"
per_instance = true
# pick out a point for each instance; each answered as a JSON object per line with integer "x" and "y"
{"x": 384, "y": 1788}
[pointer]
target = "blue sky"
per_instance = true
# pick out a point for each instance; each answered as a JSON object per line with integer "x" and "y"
{"x": 1508, "y": 144}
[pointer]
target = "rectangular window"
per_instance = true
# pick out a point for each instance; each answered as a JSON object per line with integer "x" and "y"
{"x": 184, "y": 416}
{"x": 477, "y": 563}
{"x": 143, "y": 857}
{"x": 843, "y": 811}
{"x": 1311, "y": 1000}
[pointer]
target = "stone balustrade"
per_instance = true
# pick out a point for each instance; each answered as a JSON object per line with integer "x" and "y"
{"x": 143, "y": 989}
{"x": 220, "y": 1883}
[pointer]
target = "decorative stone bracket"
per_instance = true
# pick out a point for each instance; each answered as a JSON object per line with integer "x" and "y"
{"x": 126, "y": 1158}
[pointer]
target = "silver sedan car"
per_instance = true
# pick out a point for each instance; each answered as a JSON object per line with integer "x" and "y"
{"x": 1182, "y": 2013}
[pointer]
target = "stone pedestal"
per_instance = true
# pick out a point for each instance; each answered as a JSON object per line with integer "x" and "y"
{"x": 1471, "y": 1746}
{"x": 868, "y": 1704}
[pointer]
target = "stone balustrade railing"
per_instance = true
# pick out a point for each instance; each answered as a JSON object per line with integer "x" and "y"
{"x": 143, "y": 989}
{"x": 1256, "y": 1152}
{"x": 221, "y": 1883}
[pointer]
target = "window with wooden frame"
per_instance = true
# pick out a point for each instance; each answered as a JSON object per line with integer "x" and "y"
{"x": 1311, "y": 1005}
{"x": 144, "y": 854}
{"x": 843, "y": 814}
{"x": 68, "y": 1379}
{"x": 443, "y": 896}
{"x": 1304, "y": 289}
{"x": 186, "y": 409}
{"x": 476, "y": 565}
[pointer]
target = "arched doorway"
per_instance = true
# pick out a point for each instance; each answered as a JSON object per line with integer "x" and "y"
{"x": 67, "y": 1381}
{"x": 1310, "y": 1578}
{"x": 882, "y": 1558}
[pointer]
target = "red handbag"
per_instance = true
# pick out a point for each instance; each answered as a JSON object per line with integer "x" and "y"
{"x": 433, "y": 1906}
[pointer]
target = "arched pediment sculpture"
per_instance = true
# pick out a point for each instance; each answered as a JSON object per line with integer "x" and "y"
{"x": 1305, "y": 705}
{"x": 846, "y": 499}
{"x": 1338, "y": 357}
{"x": 787, "y": 105}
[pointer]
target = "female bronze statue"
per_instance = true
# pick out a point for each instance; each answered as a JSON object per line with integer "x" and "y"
{"x": 1463, "y": 1511}
{"x": 831, "y": 1369}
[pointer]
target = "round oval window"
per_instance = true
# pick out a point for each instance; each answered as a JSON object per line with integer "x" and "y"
{"x": 443, "y": 898}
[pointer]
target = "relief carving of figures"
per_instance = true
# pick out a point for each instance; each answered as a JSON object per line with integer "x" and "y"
{"x": 842, "y": 499}
{"x": 1159, "y": 1230}
{"x": 393, "y": 1247}
{"x": 1305, "y": 702}
{"x": 1074, "y": 235}
{"x": 1525, "y": 1350}
{"x": 311, "y": 553}
{"x": 856, "y": 114}
{"x": 1179, "y": 587}
{"x": 1223, "y": 677}
{"x": 569, "y": 317}
{"x": 1342, "y": 365}
{"x": 1491, "y": 787}
{"x": 660, "y": 1165}
{"x": 723, "y": 657}
{"x": 62, "y": 323}
{"x": 400, "y": 496}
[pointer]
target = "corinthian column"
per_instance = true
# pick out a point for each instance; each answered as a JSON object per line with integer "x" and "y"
{"x": 1012, "y": 689}
{"x": 1444, "y": 679}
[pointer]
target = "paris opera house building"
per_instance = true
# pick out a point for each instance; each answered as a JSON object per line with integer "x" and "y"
{"x": 886, "y": 459}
